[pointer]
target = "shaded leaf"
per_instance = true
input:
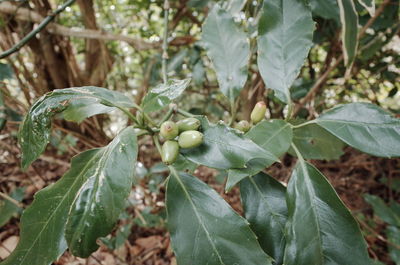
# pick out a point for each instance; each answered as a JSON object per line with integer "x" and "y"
{"x": 224, "y": 148}
{"x": 349, "y": 20}
{"x": 78, "y": 103}
{"x": 284, "y": 40}
{"x": 163, "y": 94}
{"x": 382, "y": 210}
{"x": 43, "y": 222}
{"x": 369, "y": 5}
{"x": 5, "y": 71}
{"x": 274, "y": 136}
{"x": 9, "y": 209}
{"x": 211, "y": 233}
{"x": 101, "y": 198}
{"x": 327, "y": 9}
{"x": 393, "y": 236}
{"x": 314, "y": 142}
{"x": 265, "y": 208}
{"x": 228, "y": 48}
{"x": 364, "y": 126}
{"x": 320, "y": 229}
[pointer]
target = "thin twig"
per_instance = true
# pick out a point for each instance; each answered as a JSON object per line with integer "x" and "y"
{"x": 165, "y": 42}
{"x": 35, "y": 31}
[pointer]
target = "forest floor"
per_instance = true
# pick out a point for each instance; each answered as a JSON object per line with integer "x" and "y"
{"x": 352, "y": 176}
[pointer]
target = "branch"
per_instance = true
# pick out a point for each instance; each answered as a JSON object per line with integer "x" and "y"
{"x": 25, "y": 14}
{"x": 40, "y": 27}
{"x": 322, "y": 79}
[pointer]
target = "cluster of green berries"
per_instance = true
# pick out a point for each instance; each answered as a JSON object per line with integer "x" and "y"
{"x": 182, "y": 134}
{"x": 256, "y": 116}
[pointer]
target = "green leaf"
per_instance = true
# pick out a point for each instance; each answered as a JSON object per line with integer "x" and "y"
{"x": 364, "y": 126}
{"x": 264, "y": 205}
{"x": 43, "y": 222}
{"x": 274, "y": 136}
{"x": 9, "y": 209}
{"x": 235, "y": 6}
{"x": 382, "y": 210}
{"x": 204, "y": 228}
{"x": 314, "y": 142}
{"x": 77, "y": 103}
{"x": 349, "y": 20}
{"x": 5, "y": 71}
{"x": 224, "y": 148}
{"x": 163, "y": 94}
{"x": 393, "y": 236}
{"x": 369, "y": 5}
{"x": 320, "y": 229}
{"x": 327, "y": 9}
{"x": 228, "y": 48}
{"x": 101, "y": 198}
{"x": 284, "y": 40}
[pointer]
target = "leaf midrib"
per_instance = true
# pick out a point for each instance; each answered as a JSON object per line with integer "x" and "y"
{"x": 311, "y": 189}
{"x": 198, "y": 216}
{"x": 64, "y": 197}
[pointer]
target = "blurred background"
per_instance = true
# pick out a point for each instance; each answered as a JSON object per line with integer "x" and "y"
{"x": 117, "y": 44}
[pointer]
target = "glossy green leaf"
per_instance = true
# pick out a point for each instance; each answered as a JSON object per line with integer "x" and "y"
{"x": 229, "y": 50}
{"x": 265, "y": 208}
{"x": 320, "y": 229}
{"x": 382, "y": 210}
{"x": 314, "y": 142}
{"x": 327, "y": 9}
{"x": 163, "y": 94}
{"x": 393, "y": 236}
{"x": 349, "y": 20}
{"x": 204, "y": 228}
{"x": 369, "y": 5}
{"x": 285, "y": 38}
{"x": 225, "y": 148}
{"x": 3, "y": 115}
{"x": 364, "y": 126}
{"x": 43, "y": 222}
{"x": 77, "y": 103}
{"x": 274, "y": 136}
{"x": 101, "y": 198}
{"x": 9, "y": 209}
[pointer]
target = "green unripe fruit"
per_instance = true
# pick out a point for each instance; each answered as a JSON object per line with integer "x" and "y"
{"x": 258, "y": 112}
{"x": 169, "y": 130}
{"x": 243, "y": 126}
{"x": 188, "y": 124}
{"x": 169, "y": 152}
{"x": 190, "y": 139}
